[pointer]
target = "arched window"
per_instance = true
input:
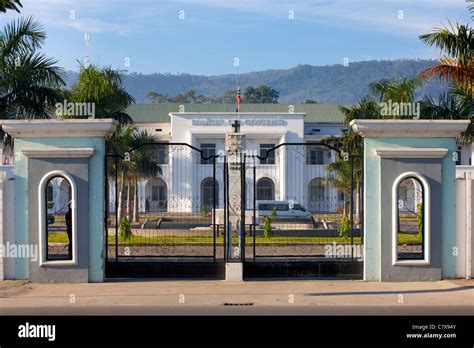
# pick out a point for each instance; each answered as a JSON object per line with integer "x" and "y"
{"x": 207, "y": 193}
{"x": 156, "y": 197}
{"x": 316, "y": 195}
{"x": 58, "y": 219}
{"x": 411, "y": 212}
{"x": 265, "y": 189}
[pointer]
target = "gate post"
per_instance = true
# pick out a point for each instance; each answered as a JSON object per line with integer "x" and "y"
{"x": 409, "y": 240}
{"x": 71, "y": 151}
{"x": 235, "y": 204}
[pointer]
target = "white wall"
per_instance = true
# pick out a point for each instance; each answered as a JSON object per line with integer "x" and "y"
{"x": 465, "y": 221}
{"x": 291, "y": 129}
{"x": 7, "y": 270}
{"x": 467, "y": 153}
{"x": 185, "y": 174}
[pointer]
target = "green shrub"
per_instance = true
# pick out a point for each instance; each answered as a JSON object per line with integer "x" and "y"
{"x": 345, "y": 227}
{"x": 419, "y": 218}
{"x": 204, "y": 211}
{"x": 274, "y": 212}
{"x": 267, "y": 227}
{"x": 125, "y": 231}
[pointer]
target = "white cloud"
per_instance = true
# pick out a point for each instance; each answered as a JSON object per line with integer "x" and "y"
{"x": 123, "y": 16}
{"x": 419, "y": 15}
{"x": 89, "y": 16}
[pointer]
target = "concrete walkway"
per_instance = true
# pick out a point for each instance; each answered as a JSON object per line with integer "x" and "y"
{"x": 180, "y": 297}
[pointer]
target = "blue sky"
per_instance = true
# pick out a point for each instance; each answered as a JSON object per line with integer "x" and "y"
{"x": 150, "y": 36}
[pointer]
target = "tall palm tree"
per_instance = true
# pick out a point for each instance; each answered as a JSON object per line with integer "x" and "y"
{"x": 456, "y": 63}
{"x": 142, "y": 163}
{"x": 339, "y": 172}
{"x": 340, "y": 176}
{"x": 119, "y": 144}
{"x": 144, "y": 166}
{"x": 103, "y": 87}
{"x": 29, "y": 81}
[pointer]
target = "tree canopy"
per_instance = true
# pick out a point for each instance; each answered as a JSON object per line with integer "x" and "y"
{"x": 261, "y": 95}
{"x": 103, "y": 87}
{"x": 29, "y": 81}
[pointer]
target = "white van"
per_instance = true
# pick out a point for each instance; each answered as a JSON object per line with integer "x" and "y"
{"x": 284, "y": 209}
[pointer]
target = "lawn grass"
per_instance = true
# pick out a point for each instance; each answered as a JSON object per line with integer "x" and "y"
{"x": 404, "y": 238}
{"x": 61, "y": 237}
{"x": 199, "y": 240}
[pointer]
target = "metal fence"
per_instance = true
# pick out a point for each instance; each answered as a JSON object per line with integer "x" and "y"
{"x": 164, "y": 202}
{"x": 303, "y": 201}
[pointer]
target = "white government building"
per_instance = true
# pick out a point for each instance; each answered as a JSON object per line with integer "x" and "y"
{"x": 186, "y": 181}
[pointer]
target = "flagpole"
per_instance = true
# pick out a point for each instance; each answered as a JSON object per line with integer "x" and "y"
{"x": 238, "y": 94}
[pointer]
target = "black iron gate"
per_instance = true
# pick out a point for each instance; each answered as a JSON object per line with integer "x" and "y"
{"x": 303, "y": 212}
{"x": 164, "y": 212}
{"x": 173, "y": 210}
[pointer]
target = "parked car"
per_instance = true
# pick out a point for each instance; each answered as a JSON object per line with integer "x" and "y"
{"x": 284, "y": 209}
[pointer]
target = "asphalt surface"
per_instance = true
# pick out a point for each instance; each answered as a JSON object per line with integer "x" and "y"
{"x": 213, "y": 297}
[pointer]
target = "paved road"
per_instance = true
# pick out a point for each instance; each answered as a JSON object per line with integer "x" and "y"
{"x": 211, "y": 297}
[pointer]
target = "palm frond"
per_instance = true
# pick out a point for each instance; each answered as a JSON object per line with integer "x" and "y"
{"x": 21, "y": 37}
{"x": 10, "y": 5}
{"x": 456, "y": 40}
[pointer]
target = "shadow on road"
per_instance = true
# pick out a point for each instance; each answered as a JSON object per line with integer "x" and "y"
{"x": 425, "y": 291}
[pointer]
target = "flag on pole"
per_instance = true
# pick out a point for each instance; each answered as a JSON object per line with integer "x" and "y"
{"x": 238, "y": 99}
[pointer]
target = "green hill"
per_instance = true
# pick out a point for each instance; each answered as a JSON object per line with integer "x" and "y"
{"x": 326, "y": 84}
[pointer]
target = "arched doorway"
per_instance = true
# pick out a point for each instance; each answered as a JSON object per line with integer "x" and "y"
{"x": 207, "y": 193}
{"x": 156, "y": 195}
{"x": 317, "y": 193}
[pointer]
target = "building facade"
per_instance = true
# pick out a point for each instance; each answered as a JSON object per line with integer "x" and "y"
{"x": 264, "y": 130}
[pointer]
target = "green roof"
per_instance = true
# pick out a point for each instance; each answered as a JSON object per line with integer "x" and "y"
{"x": 322, "y": 113}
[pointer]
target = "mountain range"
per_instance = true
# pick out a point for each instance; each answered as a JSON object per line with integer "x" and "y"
{"x": 337, "y": 84}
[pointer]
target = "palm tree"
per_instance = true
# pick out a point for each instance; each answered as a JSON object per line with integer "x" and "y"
{"x": 352, "y": 142}
{"x": 144, "y": 165}
{"x": 10, "y": 5}
{"x": 340, "y": 176}
{"x": 103, "y": 87}
{"x": 139, "y": 163}
{"x": 401, "y": 91}
{"x": 339, "y": 172}
{"x": 455, "y": 63}
{"x": 451, "y": 105}
{"x": 119, "y": 144}
{"x": 29, "y": 81}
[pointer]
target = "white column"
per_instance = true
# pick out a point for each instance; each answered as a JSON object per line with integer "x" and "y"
{"x": 469, "y": 208}
{"x": 7, "y": 265}
{"x": 283, "y": 170}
